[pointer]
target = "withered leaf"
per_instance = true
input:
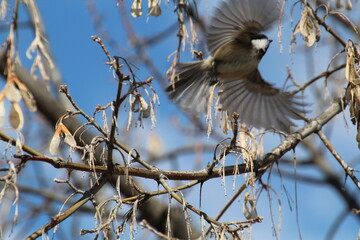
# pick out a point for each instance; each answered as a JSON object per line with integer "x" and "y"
{"x": 12, "y": 93}
{"x": 308, "y": 27}
{"x": 352, "y": 72}
{"x": 54, "y": 144}
{"x": 28, "y": 97}
{"x": 16, "y": 117}
{"x": 249, "y": 207}
{"x": 69, "y": 139}
{"x": 144, "y": 107}
{"x": 136, "y": 8}
{"x": 154, "y": 8}
{"x": 55, "y": 140}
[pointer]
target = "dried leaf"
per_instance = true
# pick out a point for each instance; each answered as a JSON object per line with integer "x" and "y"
{"x": 139, "y": 104}
{"x": 134, "y": 104}
{"x": 355, "y": 102}
{"x": 136, "y": 8}
{"x": 11, "y": 92}
{"x": 352, "y": 70}
{"x": 28, "y": 97}
{"x": 54, "y": 144}
{"x": 16, "y": 117}
{"x": 308, "y": 27}
{"x": 154, "y": 8}
{"x": 249, "y": 207}
{"x": 144, "y": 107}
{"x": 55, "y": 140}
{"x": 352, "y": 74}
{"x": 69, "y": 139}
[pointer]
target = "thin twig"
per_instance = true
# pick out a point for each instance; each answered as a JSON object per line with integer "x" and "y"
{"x": 321, "y": 75}
{"x": 348, "y": 170}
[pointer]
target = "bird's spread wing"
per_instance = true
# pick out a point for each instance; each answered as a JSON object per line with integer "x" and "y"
{"x": 258, "y": 103}
{"x": 234, "y": 17}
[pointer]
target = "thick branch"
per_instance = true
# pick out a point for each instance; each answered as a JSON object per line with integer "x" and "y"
{"x": 292, "y": 140}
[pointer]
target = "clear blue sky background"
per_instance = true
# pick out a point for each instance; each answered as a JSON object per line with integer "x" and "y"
{"x": 81, "y": 63}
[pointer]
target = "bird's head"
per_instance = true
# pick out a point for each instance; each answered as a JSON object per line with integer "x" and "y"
{"x": 260, "y": 43}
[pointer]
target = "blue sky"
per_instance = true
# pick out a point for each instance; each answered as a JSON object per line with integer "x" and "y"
{"x": 91, "y": 82}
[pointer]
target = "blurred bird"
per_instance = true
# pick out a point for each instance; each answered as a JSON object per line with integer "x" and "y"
{"x": 237, "y": 45}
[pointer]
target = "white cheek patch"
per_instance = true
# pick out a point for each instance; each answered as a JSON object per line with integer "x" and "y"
{"x": 260, "y": 43}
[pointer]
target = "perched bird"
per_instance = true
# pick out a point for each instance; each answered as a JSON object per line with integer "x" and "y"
{"x": 237, "y": 45}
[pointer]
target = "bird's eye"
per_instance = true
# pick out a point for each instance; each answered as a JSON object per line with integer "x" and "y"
{"x": 262, "y": 51}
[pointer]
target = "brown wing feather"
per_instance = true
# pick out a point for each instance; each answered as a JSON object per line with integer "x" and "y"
{"x": 258, "y": 103}
{"x": 235, "y": 17}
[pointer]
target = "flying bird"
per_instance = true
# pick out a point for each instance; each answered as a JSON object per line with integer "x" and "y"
{"x": 236, "y": 45}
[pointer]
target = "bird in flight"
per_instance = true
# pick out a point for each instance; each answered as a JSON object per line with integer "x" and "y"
{"x": 236, "y": 45}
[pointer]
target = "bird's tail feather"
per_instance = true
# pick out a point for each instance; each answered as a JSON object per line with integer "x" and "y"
{"x": 192, "y": 86}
